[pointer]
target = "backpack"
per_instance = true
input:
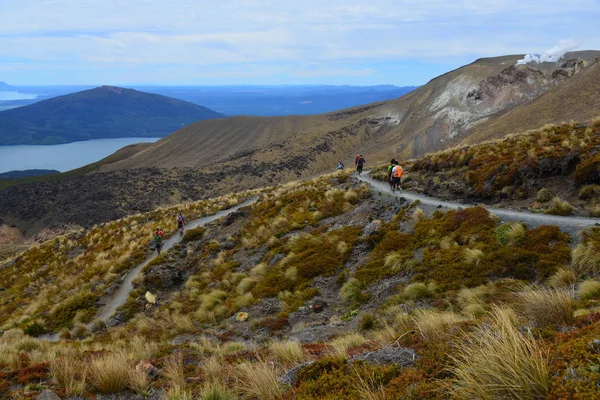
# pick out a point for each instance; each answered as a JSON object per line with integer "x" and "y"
{"x": 161, "y": 233}
{"x": 180, "y": 219}
{"x": 399, "y": 171}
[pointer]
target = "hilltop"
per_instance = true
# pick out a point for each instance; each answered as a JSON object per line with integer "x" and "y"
{"x": 100, "y": 113}
{"x": 322, "y": 289}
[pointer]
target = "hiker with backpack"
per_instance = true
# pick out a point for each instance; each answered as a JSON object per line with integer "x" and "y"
{"x": 158, "y": 239}
{"x": 397, "y": 172}
{"x": 340, "y": 166}
{"x": 390, "y": 167}
{"x": 360, "y": 161}
{"x": 180, "y": 223}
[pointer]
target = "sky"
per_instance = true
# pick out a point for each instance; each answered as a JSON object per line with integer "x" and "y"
{"x": 199, "y": 42}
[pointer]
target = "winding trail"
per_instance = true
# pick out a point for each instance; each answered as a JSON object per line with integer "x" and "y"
{"x": 571, "y": 225}
{"x": 121, "y": 295}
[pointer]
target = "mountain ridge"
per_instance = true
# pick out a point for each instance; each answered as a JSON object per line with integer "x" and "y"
{"x": 103, "y": 112}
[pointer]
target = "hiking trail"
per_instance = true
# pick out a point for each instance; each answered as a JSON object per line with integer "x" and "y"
{"x": 571, "y": 225}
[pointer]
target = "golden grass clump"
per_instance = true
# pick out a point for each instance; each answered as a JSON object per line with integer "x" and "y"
{"x": 474, "y": 301}
{"x": 341, "y": 344}
{"x": 69, "y": 374}
{"x": 545, "y": 307}
{"x": 398, "y": 262}
{"x": 516, "y": 233}
{"x": 559, "y": 207}
{"x": 216, "y": 391}
{"x": 258, "y": 381}
{"x": 110, "y": 372}
{"x": 497, "y": 361}
{"x": 351, "y": 291}
{"x": 288, "y": 353}
{"x": 564, "y": 277}
{"x": 419, "y": 290}
{"x": 213, "y": 370}
{"x": 543, "y": 196}
{"x": 588, "y": 290}
{"x": 586, "y": 258}
{"x": 432, "y": 324}
{"x": 473, "y": 256}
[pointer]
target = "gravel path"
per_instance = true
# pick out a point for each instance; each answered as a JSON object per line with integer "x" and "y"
{"x": 571, "y": 225}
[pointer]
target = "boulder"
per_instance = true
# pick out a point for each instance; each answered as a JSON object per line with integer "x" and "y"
{"x": 318, "y": 306}
{"x": 150, "y": 370}
{"x": 389, "y": 355}
{"x": 47, "y": 395}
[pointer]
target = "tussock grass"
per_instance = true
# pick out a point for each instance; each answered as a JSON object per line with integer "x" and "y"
{"x": 545, "y": 307}
{"x": 432, "y": 324}
{"x": 213, "y": 370}
{"x": 543, "y": 196}
{"x": 560, "y": 207}
{"x": 214, "y": 391}
{"x": 139, "y": 382}
{"x": 351, "y": 291}
{"x": 563, "y": 278}
{"x": 70, "y": 374}
{"x": 474, "y": 301}
{"x": 589, "y": 289}
{"x": 368, "y": 387}
{"x": 497, "y": 361}
{"x": 473, "y": 256}
{"x": 398, "y": 262}
{"x": 288, "y": 353}
{"x": 586, "y": 256}
{"x": 110, "y": 373}
{"x": 258, "y": 381}
{"x": 341, "y": 344}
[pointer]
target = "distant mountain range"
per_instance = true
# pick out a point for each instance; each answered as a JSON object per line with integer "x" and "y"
{"x": 100, "y": 113}
{"x": 4, "y": 86}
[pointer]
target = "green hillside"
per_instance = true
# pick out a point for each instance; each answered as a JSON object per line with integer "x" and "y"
{"x": 100, "y": 113}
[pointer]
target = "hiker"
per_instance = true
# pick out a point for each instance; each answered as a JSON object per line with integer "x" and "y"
{"x": 390, "y": 167}
{"x": 359, "y": 164}
{"x": 340, "y": 166}
{"x": 397, "y": 172}
{"x": 158, "y": 239}
{"x": 180, "y": 223}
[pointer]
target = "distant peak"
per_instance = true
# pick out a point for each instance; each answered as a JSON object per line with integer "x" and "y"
{"x": 115, "y": 89}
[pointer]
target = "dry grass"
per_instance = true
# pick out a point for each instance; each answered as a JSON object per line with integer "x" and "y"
{"x": 543, "y": 196}
{"x": 70, "y": 375}
{"x": 545, "y": 307}
{"x": 288, "y": 353}
{"x": 497, "y": 361}
{"x": 213, "y": 370}
{"x": 258, "y": 381}
{"x": 341, "y": 344}
{"x": 351, "y": 291}
{"x": 368, "y": 388}
{"x": 214, "y": 391}
{"x": 589, "y": 289}
{"x": 516, "y": 233}
{"x": 432, "y": 324}
{"x": 586, "y": 259}
{"x": 559, "y": 207}
{"x": 563, "y": 278}
{"x": 110, "y": 373}
{"x": 174, "y": 372}
{"x": 139, "y": 382}
{"x": 473, "y": 256}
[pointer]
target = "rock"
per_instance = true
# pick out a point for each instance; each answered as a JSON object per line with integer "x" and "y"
{"x": 290, "y": 376}
{"x": 335, "y": 320}
{"x": 371, "y": 228}
{"x": 319, "y": 333}
{"x": 389, "y": 355}
{"x": 151, "y": 371}
{"x": 595, "y": 345}
{"x": 47, "y": 395}
{"x": 319, "y": 305}
{"x": 439, "y": 206}
{"x": 241, "y": 316}
{"x": 150, "y": 298}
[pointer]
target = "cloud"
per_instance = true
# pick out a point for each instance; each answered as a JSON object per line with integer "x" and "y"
{"x": 356, "y": 40}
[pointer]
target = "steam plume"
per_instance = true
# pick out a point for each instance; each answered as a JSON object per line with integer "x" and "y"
{"x": 553, "y": 54}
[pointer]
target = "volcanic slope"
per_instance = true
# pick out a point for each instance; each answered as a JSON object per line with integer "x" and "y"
{"x": 319, "y": 290}
{"x": 424, "y": 120}
{"x": 100, "y": 113}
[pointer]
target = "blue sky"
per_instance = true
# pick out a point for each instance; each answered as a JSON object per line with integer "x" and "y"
{"x": 362, "y": 42}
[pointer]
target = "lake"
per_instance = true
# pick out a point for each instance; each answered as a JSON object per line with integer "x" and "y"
{"x": 16, "y": 96}
{"x": 62, "y": 157}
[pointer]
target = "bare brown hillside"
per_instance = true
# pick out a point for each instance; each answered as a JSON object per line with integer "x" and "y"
{"x": 437, "y": 114}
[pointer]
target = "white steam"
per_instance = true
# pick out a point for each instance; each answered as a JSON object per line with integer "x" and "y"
{"x": 553, "y": 54}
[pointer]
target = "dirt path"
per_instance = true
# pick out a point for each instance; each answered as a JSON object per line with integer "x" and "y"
{"x": 571, "y": 225}
{"x": 121, "y": 295}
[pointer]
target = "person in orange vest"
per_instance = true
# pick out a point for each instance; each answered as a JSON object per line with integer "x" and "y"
{"x": 397, "y": 172}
